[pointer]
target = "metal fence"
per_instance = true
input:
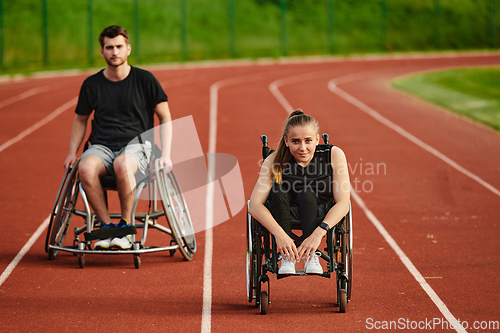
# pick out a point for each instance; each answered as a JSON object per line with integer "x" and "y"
{"x": 59, "y": 33}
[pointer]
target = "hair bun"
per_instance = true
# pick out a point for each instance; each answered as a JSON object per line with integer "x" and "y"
{"x": 297, "y": 113}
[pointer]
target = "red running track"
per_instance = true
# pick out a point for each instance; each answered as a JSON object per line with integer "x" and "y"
{"x": 444, "y": 221}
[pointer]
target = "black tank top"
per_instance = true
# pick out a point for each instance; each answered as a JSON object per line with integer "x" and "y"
{"x": 317, "y": 176}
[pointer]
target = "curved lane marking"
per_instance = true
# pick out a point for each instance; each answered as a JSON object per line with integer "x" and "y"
{"x": 333, "y": 86}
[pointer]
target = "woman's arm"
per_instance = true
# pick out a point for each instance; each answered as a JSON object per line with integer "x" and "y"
{"x": 260, "y": 193}
{"x": 341, "y": 194}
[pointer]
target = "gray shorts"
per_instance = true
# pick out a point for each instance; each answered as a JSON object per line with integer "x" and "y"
{"x": 141, "y": 153}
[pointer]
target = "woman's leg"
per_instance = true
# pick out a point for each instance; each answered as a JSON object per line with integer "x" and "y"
{"x": 279, "y": 206}
{"x": 308, "y": 211}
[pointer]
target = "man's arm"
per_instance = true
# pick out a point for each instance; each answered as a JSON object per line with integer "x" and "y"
{"x": 163, "y": 112}
{"x": 77, "y": 134}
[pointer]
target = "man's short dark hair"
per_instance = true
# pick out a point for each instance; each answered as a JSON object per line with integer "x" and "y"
{"x": 112, "y": 32}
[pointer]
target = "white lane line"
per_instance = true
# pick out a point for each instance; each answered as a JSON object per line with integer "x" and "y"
{"x": 23, "y": 95}
{"x": 206, "y": 314}
{"x": 274, "y": 86}
{"x": 409, "y": 265}
{"x": 363, "y": 107}
{"x": 24, "y": 250}
{"x": 39, "y": 124}
{"x": 206, "y": 317}
{"x": 406, "y": 261}
{"x": 300, "y": 78}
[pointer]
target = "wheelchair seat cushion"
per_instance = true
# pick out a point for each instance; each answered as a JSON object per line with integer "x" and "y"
{"x": 108, "y": 182}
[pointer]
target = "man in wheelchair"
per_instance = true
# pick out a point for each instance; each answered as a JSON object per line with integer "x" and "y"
{"x": 124, "y": 100}
{"x": 298, "y": 173}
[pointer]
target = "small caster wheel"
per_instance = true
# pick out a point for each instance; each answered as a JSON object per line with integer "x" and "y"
{"x": 81, "y": 260}
{"x": 137, "y": 260}
{"x": 76, "y": 243}
{"x": 264, "y": 302}
{"x": 172, "y": 252}
{"x": 343, "y": 301}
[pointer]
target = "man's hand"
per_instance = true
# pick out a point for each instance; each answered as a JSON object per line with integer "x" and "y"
{"x": 165, "y": 163}
{"x": 70, "y": 161}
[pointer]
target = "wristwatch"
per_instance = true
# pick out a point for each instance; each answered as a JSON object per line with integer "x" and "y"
{"x": 325, "y": 226}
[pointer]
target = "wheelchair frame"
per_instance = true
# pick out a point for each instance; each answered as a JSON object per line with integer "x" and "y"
{"x": 174, "y": 209}
{"x": 262, "y": 256}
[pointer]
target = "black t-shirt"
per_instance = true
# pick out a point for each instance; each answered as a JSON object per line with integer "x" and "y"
{"x": 316, "y": 176}
{"x": 123, "y": 109}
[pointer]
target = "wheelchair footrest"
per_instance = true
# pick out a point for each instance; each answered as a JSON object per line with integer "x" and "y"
{"x": 110, "y": 233}
{"x": 302, "y": 273}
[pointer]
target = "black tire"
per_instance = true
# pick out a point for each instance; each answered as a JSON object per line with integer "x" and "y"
{"x": 81, "y": 260}
{"x": 257, "y": 261}
{"x": 349, "y": 255}
{"x": 172, "y": 252}
{"x": 177, "y": 212}
{"x": 250, "y": 260}
{"x": 65, "y": 208}
{"x": 54, "y": 209}
{"x": 249, "y": 276}
{"x": 264, "y": 302}
{"x": 342, "y": 301}
{"x": 137, "y": 261}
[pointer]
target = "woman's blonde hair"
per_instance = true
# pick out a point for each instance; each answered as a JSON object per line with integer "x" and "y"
{"x": 283, "y": 155}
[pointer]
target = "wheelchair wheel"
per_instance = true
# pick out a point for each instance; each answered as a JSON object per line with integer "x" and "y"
{"x": 250, "y": 260}
{"x": 249, "y": 276}
{"x": 177, "y": 212}
{"x": 342, "y": 301}
{"x": 81, "y": 260}
{"x": 54, "y": 209}
{"x": 264, "y": 302}
{"x": 349, "y": 254}
{"x": 59, "y": 225}
{"x": 257, "y": 255}
{"x": 344, "y": 260}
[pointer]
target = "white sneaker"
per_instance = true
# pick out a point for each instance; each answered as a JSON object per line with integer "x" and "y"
{"x": 287, "y": 267}
{"x": 124, "y": 242}
{"x": 312, "y": 266}
{"x": 103, "y": 244}
{"x": 106, "y": 242}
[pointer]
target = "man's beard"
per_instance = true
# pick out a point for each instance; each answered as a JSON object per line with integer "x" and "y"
{"x": 110, "y": 63}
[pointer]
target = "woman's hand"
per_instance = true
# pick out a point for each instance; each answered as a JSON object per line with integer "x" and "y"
{"x": 311, "y": 243}
{"x": 286, "y": 247}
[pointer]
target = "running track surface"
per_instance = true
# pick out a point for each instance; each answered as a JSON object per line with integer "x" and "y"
{"x": 444, "y": 220}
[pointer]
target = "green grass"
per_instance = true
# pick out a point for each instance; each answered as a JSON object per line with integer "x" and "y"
{"x": 312, "y": 27}
{"x": 472, "y": 92}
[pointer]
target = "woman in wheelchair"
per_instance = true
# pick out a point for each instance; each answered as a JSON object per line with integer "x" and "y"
{"x": 299, "y": 173}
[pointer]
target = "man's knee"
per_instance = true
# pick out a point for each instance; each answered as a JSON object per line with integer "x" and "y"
{"x": 125, "y": 165}
{"x": 90, "y": 168}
